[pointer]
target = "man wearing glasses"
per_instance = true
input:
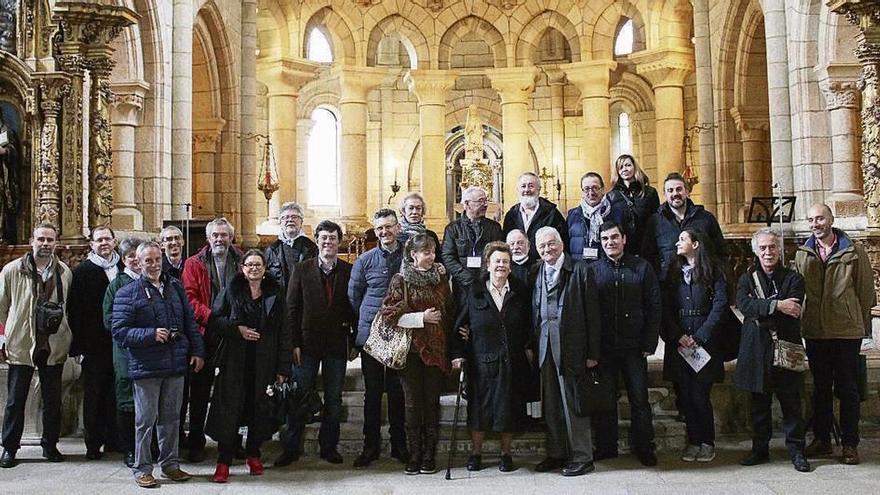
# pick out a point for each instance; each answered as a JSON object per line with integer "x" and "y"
{"x": 172, "y": 241}
{"x": 292, "y": 246}
{"x": 464, "y": 239}
{"x": 585, "y": 220}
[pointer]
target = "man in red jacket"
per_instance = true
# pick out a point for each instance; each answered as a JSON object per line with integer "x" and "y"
{"x": 204, "y": 276}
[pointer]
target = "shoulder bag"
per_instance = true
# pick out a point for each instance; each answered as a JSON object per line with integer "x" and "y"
{"x": 389, "y": 344}
{"x": 786, "y": 355}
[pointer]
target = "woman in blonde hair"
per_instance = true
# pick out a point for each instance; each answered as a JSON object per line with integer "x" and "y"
{"x": 631, "y": 186}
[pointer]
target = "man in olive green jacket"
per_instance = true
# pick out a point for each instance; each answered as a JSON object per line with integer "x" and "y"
{"x": 836, "y": 317}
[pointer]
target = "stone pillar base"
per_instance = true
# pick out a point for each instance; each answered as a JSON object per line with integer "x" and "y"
{"x": 127, "y": 218}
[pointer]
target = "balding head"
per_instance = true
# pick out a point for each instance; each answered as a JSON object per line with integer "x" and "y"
{"x": 519, "y": 244}
{"x": 821, "y": 220}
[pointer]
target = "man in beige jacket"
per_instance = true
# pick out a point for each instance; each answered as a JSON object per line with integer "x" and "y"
{"x": 836, "y": 317}
{"x": 24, "y": 283}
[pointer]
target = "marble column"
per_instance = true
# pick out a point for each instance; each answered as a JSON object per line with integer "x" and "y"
{"x": 557, "y": 81}
{"x": 515, "y": 86}
{"x": 355, "y": 83}
{"x": 592, "y": 78}
{"x": 181, "y": 107}
{"x": 431, "y": 88}
{"x": 127, "y": 102}
{"x": 842, "y": 102}
{"x": 752, "y": 125}
{"x": 205, "y": 145}
{"x": 778, "y": 87}
{"x": 706, "y": 188}
{"x": 666, "y": 70}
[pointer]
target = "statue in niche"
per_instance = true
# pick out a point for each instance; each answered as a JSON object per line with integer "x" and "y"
{"x": 473, "y": 135}
{"x": 10, "y": 163}
{"x": 475, "y": 169}
{"x": 8, "y": 26}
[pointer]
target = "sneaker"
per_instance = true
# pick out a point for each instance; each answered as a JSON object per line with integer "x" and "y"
{"x": 146, "y": 481}
{"x": 706, "y": 453}
{"x": 690, "y": 453}
{"x": 413, "y": 467}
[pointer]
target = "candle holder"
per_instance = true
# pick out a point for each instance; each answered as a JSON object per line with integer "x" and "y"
{"x": 395, "y": 188}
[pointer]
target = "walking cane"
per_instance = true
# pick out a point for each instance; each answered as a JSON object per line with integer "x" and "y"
{"x": 455, "y": 424}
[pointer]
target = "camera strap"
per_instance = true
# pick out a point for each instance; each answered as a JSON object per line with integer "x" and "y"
{"x": 38, "y": 283}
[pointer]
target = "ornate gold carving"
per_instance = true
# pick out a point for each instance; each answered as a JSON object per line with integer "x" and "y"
{"x": 52, "y": 91}
{"x": 473, "y": 134}
{"x": 100, "y": 157}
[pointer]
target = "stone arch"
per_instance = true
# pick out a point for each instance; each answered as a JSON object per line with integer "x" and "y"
{"x": 337, "y": 32}
{"x": 602, "y": 29}
{"x": 18, "y": 96}
{"x": 675, "y": 23}
{"x": 273, "y": 35}
{"x": 635, "y": 91}
{"x": 836, "y": 39}
{"x": 478, "y": 26}
{"x": 529, "y": 38}
{"x": 413, "y": 40}
{"x": 128, "y": 51}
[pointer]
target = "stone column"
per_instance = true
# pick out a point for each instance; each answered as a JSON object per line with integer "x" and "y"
{"x": 842, "y": 102}
{"x": 592, "y": 79}
{"x": 776, "y": 35}
{"x": 127, "y": 102}
{"x": 250, "y": 201}
{"x": 431, "y": 88}
{"x": 53, "y": 90}
{"x": 515, "y": 86}
{"x": 181, "y": 107}
{"x": 557, "y": 81}
{"x": 705, "y": 105}
{"x": 666, "y": 70}
{"x": 752, "y": 125}
{"x": 355, "y": 83}
{"x": 205, "y": 144}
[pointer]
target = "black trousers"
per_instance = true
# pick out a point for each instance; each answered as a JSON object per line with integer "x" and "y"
{"x": 226, "y": 451}
{"x": 789, "y": 397}
{"x": 834, "y": 364}
{"x": 422, "y": 386}
{"x": 697, "y": 409}
{"x": 634, "y": 368}
{"x": 99, "y": 405}
{"x": 17, "y": 387}
{"x": 379, "y": 380}
{"x": 196, "y": 395}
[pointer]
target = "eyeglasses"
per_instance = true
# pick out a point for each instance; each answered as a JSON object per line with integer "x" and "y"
{"x": 284, "y": 218}
{"x": 480, "y": 201}
{"x": 253, "y": 265}
{"x": 592, "y": 189}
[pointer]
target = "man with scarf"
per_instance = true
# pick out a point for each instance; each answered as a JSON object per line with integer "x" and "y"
{"x": 412, "y": 219}
{"x": 533, "y": 212}
{"x": 292, "y": 245}
{"x": 92, "y": 340}
{"x": 585, "y": 220}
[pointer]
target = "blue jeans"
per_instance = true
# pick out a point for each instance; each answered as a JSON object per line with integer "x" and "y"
{"x": 333, "y": 378}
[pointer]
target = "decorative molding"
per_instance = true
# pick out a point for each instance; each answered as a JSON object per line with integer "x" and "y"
{"x": 367, "y": 3}
{"x": 507, "y": 5}
{"x": 514, "y": 85}
{"x": 430, "y": 86}
{"x": 840, "y": 95}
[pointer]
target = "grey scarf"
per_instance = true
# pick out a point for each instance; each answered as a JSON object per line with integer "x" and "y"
{"x": 101, "y": 262}
{"x": 282, "y": 236}
{"x": 595, "y": 215}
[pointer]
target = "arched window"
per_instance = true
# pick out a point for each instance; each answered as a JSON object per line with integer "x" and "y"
{"x": 319, "y": 47}
{"x": 323, "y": 165}
{"x": 623, "y": 141}
{"x": 623, "y": 45}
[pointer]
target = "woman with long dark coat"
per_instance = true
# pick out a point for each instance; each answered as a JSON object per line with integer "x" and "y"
{"x": 694, "y": 302}
{"x": 498, "y": 317}
{"x": 256, "y": 350}
{"x": 630, "y": 185}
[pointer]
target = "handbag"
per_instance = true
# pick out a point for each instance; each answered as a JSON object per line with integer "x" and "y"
{"x": 594, "y": 394}
{"x": 786, "y": 355}
{"x": 49, "y": 314}
{"x": 388, "y": 344}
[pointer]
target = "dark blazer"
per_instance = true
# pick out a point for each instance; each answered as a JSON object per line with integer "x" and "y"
{"x": 642, "y": 204}
{"x": 85, "y": 314}
{"x": 755, "y": 360}
{"x": 523, "y": 272}
{"x": 280, "y": 257}
{"x": 547, "y": 215}
{"x": 318, "y": 326}
{"x": 579, "y": 327}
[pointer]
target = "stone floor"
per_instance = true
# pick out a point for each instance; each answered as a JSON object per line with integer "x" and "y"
{"x": 310, "y": 475}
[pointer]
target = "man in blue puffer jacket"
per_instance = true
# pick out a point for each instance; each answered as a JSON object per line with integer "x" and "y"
{"x": 154, "y": 322}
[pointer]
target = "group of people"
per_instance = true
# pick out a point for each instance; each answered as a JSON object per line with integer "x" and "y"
{"x": 527, "y": 309}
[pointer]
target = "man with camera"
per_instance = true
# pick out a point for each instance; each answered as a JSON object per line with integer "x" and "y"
{"x": 154, "y": 322}
{"x": 41, "y": 340}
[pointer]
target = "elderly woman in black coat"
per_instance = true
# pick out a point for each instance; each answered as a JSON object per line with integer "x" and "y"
{"x": 694, "y": 303}
{"x": 769, "y": 297}
{"x": 256, "y": 350}
{"x": 498, "y": 317}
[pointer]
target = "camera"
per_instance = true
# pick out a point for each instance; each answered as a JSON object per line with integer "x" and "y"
{"x": 174, "y": 335}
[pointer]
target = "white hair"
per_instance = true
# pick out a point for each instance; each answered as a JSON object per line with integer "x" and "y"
{"x": 514, "y": 232}
{"x": 169, "y": 230}
{"x": 147, "y": 245}
{"x": 217, "y": 222}
{"x": 466, "y": 195}
{"x": 545, "y": 231}
{"x": 765, "y": 231}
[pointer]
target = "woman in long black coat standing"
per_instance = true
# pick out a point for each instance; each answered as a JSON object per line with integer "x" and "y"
{"x": 694, "y": 302}
{"x": 249, "y": 316}
{"x": 630, "y": 185}
{"x": 497, "y": 315}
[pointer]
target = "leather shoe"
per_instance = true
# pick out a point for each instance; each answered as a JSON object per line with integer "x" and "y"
{"x": 146, "y": 481}
{"x": 177, "y": 475}
{"x": 800, "y": 463}
{"x": 7, "y": 460}
{"x": 506, "y": 465}
{"x": 52, "y": 455}
{"x": 332, "y": 456}
{"x": 129, "y": 459}
{"x": 474, "y": 462}
{"x": 549, "y": 464}
{"x": 850, "y": 455}
{"x": 819, "y": 448}
{"x": 366, "y": 457}
{"x": 94, "y": 455}
{"x": 601, "y": 455}
{"x": 286, "y": 458}
{"x": 647, "y": 458}
{"x": 755, "y": 458}
{"x": 578, "y": 468}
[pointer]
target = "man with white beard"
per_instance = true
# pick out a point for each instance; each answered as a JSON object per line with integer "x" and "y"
{"x": 520, "y": 264}
{"x": 533, "y": 212}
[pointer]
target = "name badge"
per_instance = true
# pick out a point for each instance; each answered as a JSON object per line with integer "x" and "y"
{"x": 591, "y": 253}
{"x": 474, "y": 262}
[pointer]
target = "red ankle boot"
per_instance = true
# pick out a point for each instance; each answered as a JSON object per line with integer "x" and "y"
{"x": 221, "y": 474}
{"x": 255, "y": 466}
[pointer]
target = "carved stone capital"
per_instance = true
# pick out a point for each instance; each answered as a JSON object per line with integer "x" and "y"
{"x": 53, "y": 89}
{"x": 664, "y": 67}
{"x": 752, "y": 123}
{"x": 430, "y": 86}
{"x": 515, "y": 84}
{"x": 840, "y": 95}
{"x": 285, "y": 75}
{"x": 356, "y": 82}
{"x": 206, "y": 134}
{"x": 126, "y": 102}
{"x": 592, "y": 78}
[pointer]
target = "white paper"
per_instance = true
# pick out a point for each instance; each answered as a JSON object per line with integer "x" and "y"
{"x": 474, "y": 262}
{"x": 696, "y": 357}
{"x": 4, "y": 138}
{"x": 590, "y": 253}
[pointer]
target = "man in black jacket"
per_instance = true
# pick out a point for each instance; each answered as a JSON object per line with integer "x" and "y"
{"x": 629, "y": 298}
{"x": 520, "y": 264}
{"x": 292, "y": 245}
{"x": 322, "y": 320}
{"x": 675, "y": 215}
{"x": 93, "y": 342}
{"x": 464, "y": 239}
{"x": 533, "y": 212}
{"x": 565, "y": 318}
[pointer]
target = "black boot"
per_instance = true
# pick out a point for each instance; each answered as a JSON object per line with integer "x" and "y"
{"x": 429, "y": 450}
{"x": 414, "y": 445}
